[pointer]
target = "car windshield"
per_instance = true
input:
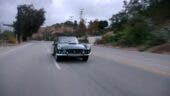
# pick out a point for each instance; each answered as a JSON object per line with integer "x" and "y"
{"x": 69, "y": 40}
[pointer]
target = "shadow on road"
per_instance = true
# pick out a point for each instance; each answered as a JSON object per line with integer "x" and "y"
{"x": 72, "y": 60}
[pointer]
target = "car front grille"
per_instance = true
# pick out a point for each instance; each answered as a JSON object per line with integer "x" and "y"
{"x": 74, "y": 51}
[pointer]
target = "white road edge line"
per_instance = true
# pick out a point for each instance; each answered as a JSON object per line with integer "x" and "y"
{"x": 48, "y": 50}
{"x": 57, "y": 65}
{"x": 11, "y": 50}
{"x": 54, "y": 61}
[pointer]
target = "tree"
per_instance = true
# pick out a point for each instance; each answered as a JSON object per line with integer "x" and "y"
{"x": 75, "y": 27}
{"x": 69, "y": 23}
{"x": 102, "y": 24}
{"x": 132, "y": 8}
{"x": 93, "y": 27}
{"x": 140, "y": 23}
{"x": 97, "y": 27}
{"x": 81, "y": 29}
{"x": 28, "y": 21}
{"x": 118, "y": 21}
{"x": 157, "y": 10}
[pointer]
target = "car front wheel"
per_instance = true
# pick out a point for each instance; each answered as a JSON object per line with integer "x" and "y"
{"x": 53, "y": 54}
{"x": 58, "y": 58}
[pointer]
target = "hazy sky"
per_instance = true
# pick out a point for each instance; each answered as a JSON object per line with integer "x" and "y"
{"x": 61, "y": 10}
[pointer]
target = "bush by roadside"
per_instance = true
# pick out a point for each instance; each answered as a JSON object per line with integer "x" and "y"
{"x": 139, "y": 25}
{"x": 8, "y": 37}
{"x": 137, "y": 33}
{"x": 106, "y": 38}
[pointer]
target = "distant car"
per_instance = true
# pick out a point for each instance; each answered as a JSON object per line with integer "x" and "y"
{"x": 69, "y": 46}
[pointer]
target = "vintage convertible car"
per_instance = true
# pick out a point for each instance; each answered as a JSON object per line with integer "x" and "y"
{"x": 69, "y": 46}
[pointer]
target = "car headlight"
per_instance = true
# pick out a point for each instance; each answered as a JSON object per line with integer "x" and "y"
{"x": 88, "y": 47}
{"x": 59, "y": 47}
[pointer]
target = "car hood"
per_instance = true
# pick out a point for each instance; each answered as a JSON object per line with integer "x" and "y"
{"x": 72, "y": 46}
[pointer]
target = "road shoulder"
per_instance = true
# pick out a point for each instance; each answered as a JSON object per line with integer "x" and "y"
{"x": 156, "y": 63}
{"x": 8, "y": 48}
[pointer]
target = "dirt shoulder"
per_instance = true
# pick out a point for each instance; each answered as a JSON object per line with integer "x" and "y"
{"x": 160, "y": 49}
{"x": 7, "y": 47}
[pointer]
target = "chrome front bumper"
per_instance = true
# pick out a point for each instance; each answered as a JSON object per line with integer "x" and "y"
{"x": 73, "y": 55}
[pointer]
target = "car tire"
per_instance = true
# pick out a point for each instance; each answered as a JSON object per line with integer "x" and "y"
{"x": 58, "y": 58}
{"x": 53, "y": 54}
{"x": 85, "y": 58}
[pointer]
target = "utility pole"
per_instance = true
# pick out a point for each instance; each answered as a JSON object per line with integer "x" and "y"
{"x": 82, "y": 20}
{"x": 0, "y": 28}
{"x": 81, "y": 14}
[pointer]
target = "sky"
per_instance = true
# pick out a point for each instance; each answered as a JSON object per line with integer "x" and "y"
{"x": 58, "y": 11}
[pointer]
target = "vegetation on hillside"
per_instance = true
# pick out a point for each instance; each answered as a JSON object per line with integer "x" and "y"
{"x": 97, "y": 27}
{"x": 140, "y": 23}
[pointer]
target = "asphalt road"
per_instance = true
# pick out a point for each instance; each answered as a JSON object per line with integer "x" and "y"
{"x": 30, "y": 70}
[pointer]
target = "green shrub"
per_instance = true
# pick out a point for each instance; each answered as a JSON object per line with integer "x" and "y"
{"x": 9, "y": 36}
{"x": 156, "y": 39}
{"x": 118, "y": 39}
{"x": 12, "y": 40}
{"x": 99, "y": 41}
{"x": 136, "y": 32}
{"x": 108, "y": 37}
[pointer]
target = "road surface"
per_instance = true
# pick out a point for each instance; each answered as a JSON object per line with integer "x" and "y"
{"x": 30, "y": 70}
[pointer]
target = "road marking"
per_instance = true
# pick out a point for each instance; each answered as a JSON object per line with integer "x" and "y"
{"x": 53, "y": 58}
{"x": 57, "y": 65}
{"x": 19, "y": 47}
{"x": 153, "y": 69}
{"x": 48, "y": 50}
